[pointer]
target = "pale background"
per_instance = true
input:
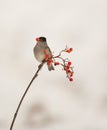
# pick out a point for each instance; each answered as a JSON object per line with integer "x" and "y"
{"x": 53, "y": 102}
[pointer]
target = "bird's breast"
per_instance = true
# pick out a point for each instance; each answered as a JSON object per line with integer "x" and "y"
{"x": 38, "y": 53}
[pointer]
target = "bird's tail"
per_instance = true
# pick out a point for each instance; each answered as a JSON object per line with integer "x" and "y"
{"x": 50, "y": 67}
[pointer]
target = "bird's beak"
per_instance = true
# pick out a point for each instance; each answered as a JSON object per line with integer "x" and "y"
{"x": 37, "y": 39}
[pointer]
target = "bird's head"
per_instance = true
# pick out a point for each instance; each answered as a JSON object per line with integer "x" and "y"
{"x": 40, "y": 39}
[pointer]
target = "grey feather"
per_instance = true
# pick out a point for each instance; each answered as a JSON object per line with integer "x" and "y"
{"x": 39, "y": 53}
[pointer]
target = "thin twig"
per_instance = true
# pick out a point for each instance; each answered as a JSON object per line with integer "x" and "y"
{"x": 17, "y": 110}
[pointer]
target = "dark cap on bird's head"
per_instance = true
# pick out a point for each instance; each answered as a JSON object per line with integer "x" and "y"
{"x": 41, "y": 39}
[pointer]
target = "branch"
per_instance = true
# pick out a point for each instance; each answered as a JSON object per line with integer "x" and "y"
{"x": 21, "y": 100}
{"x": 65, "y": 63}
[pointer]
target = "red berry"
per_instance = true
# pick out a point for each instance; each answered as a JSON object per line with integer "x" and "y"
{"x": 37, "y": 39}
{"x": 69, "y": 63}
{"x": 56, "y": 63}
{"x": 67, "y": 67}
{"x": 69, "y": 50}
{"x": 71, "y": 79}
{"x": 69, "y": 71}
{"x": 49, "y": 62}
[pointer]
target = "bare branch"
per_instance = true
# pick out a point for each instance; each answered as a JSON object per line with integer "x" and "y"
{"x": 17, "y": 110}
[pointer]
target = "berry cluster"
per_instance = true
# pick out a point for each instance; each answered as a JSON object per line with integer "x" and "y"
{"x": 66, "y": 63}
{"x": 69, "y": 70}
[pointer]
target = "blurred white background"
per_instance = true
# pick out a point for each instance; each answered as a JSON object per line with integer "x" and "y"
{"x": 52, "y": 101}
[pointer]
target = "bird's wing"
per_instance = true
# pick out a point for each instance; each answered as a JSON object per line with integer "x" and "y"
{"x": 48, "y": 51}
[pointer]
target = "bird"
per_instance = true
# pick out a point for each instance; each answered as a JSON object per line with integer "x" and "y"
{"x": 42, "y": 51}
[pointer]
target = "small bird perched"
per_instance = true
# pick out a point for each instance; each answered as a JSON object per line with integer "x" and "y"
{"x": 42, "y": 51}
